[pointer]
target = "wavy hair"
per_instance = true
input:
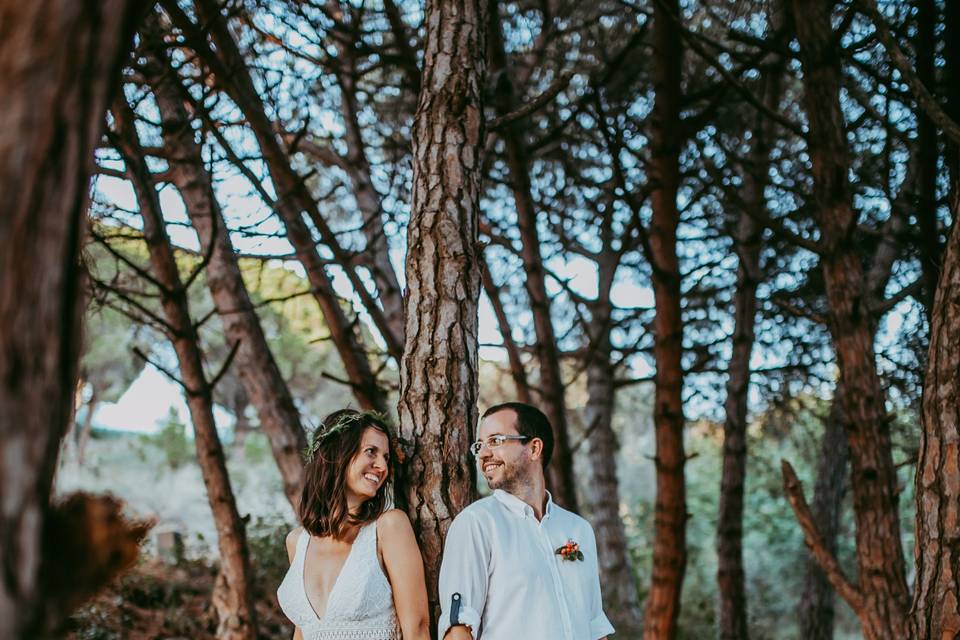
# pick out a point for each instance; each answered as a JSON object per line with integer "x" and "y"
{"x": 323, "y": 507}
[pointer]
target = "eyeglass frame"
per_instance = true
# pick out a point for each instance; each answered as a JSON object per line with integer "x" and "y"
{"x": 476, "y": 447}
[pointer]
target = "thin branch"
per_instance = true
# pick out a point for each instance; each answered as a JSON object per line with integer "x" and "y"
{"x": 533, "y": 105}
{"x": 225, "y": 366}
{"x": 159, "y": 367}
{"x": 824, "y": 558}
{"x": 925, "y": 100}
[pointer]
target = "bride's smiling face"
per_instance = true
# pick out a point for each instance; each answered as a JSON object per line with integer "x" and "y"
{"x": 369, "y": 468}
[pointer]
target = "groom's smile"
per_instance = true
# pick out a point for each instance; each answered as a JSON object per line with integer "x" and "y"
{"x": 502, "y": 466}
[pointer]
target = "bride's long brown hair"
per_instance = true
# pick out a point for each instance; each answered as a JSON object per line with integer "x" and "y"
{"x": 323, "y": 507}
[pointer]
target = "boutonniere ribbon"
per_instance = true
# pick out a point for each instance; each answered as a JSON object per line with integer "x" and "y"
{"x": 570, "y": 551}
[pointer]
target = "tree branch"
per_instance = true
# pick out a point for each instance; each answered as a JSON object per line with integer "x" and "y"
{"x": 825, "y": 560}
{"x": 925, "y": 100}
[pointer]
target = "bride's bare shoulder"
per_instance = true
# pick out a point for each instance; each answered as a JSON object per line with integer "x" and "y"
{"x": 292, "y": 538}
{"x": 394, "y": 522}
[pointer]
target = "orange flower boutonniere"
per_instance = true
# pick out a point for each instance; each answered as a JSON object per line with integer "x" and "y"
{"x": 570, "y": 551}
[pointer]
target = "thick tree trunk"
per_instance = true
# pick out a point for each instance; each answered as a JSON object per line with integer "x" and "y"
{"x": 883, "y": 586}
{"x": 232, "y": 74}
{"x": 601, "y": 488}
{"x": 233, "y": 594}
{"x": 438, "y": 373}
{"x": 59, "y": 61}
{"x": 936, "y": 597}
{"x": 552, "y": 402}
{"x": 935, "y": 611}
{"x": 670, "y": 520}
{"x": 255, "y": 365}
{"x": 816, "y": 609}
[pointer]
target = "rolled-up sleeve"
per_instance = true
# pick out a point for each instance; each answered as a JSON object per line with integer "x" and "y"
{"x": 463, "y": 575}
{"x": 599, "y": 624}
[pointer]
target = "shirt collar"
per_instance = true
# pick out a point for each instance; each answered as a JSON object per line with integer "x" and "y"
{"x": 518, "y": 506}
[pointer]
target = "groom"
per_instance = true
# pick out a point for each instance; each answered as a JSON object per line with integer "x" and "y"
{"x": 515, "y": 565}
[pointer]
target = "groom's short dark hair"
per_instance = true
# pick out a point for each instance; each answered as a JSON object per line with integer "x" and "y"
{"x": 530, "y": 422}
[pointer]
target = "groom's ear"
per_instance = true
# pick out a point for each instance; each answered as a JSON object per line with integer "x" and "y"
{"x": 536, "y": 447}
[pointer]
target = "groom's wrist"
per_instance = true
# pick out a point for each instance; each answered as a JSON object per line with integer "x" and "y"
{"x": 458, "y": 632}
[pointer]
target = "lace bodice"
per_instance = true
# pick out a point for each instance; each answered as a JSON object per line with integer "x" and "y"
{"x": 360, "y": 605}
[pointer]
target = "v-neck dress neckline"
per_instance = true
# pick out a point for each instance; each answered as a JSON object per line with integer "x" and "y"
{"x": 360, "y": 603}
{"x": 336, "y": 581}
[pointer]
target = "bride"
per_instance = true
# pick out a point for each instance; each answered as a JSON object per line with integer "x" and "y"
{"x": 353, "y": 548}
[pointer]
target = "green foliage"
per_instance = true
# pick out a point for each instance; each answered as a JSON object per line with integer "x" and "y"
{"x": 256, "y": 448}
{"x": 173, "y": 442}
{"x": 268, "y": 552}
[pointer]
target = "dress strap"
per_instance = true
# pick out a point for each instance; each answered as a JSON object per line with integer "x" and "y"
{"x": 301, "y": 553}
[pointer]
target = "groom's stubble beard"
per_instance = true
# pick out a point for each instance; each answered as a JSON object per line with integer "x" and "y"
{"x": 515, "y": 478}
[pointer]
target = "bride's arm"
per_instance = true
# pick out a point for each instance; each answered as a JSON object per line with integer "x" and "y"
{"x": 404, "y": 565}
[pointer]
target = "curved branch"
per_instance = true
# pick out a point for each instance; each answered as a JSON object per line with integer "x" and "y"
{"x": 825, "y": 560}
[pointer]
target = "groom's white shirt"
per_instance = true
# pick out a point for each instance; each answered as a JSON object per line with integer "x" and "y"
{"x": 512, "y": 584}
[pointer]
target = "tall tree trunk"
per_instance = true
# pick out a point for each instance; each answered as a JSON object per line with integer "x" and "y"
{"x": 730, "y": 573}
{"x": 936, "y": 597}
{"x": 670, "y": 520}
{"x": 59, "y": 62}
{"x": 561, "y": 476}
{"x": 256, "y": 367}
{"x": 438, "y": 373}
{"x": 233, "y": 594}
{"x": 601, "y": 488}
{"x": 232, "y": 74}
{"x": 748, "y": 243}
{"x": 816, "y": 610}
{"x": 884, "y": 597}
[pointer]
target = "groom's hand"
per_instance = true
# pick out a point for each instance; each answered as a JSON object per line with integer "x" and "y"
{"x": 459, "y": 632}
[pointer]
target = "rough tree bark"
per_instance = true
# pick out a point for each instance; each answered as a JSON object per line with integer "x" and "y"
{"x": 670, "y": 521}
{"x": 551, "y": 387}
{"x": 255, "y": 365}
{"x": 59, "y": 61}
{"x": 883, "y": 597}
{"x": 816, "y": 609}
{"x": 438, "y": 373}
{"x": 233, "y": 593}
{"x": 230, "y": 70}
{"x": 935, "y": 612}
{"x": 601, "y": 486}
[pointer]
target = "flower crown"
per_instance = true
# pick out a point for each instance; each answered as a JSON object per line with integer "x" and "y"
{"x": 343, "y": 422}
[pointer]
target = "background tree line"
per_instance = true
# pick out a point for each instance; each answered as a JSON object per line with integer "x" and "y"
{"x": 737, "y": 203}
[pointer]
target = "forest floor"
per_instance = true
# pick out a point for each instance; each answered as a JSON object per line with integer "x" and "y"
{"x": 157, "y": 600}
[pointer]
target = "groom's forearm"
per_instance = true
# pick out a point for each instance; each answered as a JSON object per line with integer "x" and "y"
{"x": 459, "y": 632}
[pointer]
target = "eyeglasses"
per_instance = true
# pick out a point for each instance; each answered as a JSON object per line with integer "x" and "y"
{"x": 493, "y": 442}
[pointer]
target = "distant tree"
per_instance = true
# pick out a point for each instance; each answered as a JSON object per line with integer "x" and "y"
{"x": 255, "y": 365}
{"x": 108, "y": 366}
{"x": 233, "y": 593}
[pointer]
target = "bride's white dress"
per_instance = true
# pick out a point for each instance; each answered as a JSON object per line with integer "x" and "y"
{"x": 360, "y": 605}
